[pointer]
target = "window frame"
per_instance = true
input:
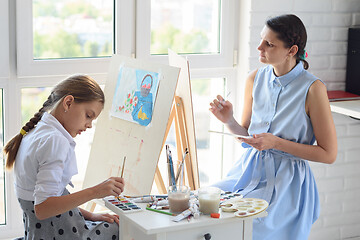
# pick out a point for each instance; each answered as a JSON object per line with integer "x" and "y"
{"x": 227, "y": 36}
{"x": 12, "y": 220}
{"x": 4, "y": 42}
{"x": 27, "y": 66}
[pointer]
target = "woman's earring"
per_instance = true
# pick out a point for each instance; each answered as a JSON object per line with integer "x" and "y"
{"x": 65, "y": 111}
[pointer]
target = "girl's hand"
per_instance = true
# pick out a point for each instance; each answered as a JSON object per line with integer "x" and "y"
{"x": 113, "y": 186}
{"x": 104, "y": 217}
{"x": 261, "y": 141}
{"x": 223, "y": 110}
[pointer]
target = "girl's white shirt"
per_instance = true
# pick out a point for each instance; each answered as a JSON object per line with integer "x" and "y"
{"x": 45, "y": 161}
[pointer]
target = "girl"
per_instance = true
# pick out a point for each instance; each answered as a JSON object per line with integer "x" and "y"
{"x": 44, "y": 158}
{"x": 285, "y": 110}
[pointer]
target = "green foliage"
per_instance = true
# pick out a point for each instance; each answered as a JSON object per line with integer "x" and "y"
{"x": 44, "y": 8}
{"x": 201, "y": 87}
{"x": 91, "y": 48}
{"x": 53, "y": 9}
{"x": 170, "y": 37}
{"x": 64, "y": 45}
{"x": 107, "y": 17}
{"x": 163, "y": 39}
{"x": 106, "y": 49}
{"x": 31, "y": 101}
{"x": 79, "y": 7}
{"x": 194, "y": 42}
{"x": 60, "y": 45}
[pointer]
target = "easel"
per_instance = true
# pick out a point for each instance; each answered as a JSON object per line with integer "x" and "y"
{"x": 182, "y": 142}
{"x": 117, "y": 136}
{"x": 180, "y": 109}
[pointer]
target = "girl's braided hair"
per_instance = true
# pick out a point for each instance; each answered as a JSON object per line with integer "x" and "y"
{"x": 83, "y": 88}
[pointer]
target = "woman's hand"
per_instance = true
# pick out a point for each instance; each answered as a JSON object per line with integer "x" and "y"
{"x": 103, "y": 217}
{"x": 261, "y": 141}
{"x": 113, "y": 186}
{"x": 223, "y": 110}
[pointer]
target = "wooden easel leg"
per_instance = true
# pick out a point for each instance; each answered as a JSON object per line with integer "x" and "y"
{"x": 159, "y": 181}
{"x": 182, "y": 142}
{"x": 178, "y": 135}
{"x": 168, "y": 126}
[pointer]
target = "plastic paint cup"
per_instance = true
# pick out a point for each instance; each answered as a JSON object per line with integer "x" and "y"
{"x": 209, "y": 199}
{"x": 178, "y": 197}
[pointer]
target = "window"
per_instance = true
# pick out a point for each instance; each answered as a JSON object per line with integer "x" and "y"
{"x": 64, "y": 37}
{"x": 214, "y": 151}
{"x": 72, "y": 29}
{"x": 209, "y": 147}
{"x": 186, "y": 27}
{"x": 204, "y": 30}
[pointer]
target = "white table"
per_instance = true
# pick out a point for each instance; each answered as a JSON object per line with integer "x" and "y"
{"x": 350, "y": 108}
{"x": 148, "y": 225}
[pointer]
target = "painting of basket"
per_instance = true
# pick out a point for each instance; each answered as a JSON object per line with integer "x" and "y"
{"x": 145, "y": 88}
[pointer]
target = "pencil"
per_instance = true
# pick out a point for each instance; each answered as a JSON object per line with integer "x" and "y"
{"x": 159, "y": 211}
{"x": 123, "y": 166}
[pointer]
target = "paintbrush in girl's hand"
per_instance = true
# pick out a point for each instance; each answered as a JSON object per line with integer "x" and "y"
{"x": 123, "y": 167}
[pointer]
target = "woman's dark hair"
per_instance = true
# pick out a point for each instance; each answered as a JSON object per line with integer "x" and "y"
{"x": 291, "y": 30}
{"x": 81, "y": 87}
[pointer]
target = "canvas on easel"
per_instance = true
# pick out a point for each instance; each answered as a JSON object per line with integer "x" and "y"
{"x": 139, "y": 98}
{"x": 183, "y": 117}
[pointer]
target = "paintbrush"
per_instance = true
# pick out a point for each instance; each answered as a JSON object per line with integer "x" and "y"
{"x": 123, "y": 167}
{"x": 181, "y": 166}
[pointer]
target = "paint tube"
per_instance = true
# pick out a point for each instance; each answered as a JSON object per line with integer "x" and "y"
{"x": 144, "y": 199}
{"x": 192, "y": 210}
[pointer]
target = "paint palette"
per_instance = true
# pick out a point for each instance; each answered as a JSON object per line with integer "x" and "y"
{"x": 244, "y": 207}
{"x": 226, "y": 196}
{"x": 121, "y": 204}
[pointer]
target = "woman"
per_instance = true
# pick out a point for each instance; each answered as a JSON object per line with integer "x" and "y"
{"x": 285, "y": 110}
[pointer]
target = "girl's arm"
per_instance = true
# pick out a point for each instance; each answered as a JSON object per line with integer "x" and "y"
{"x": 53, "y": 206}
{"x": 318, "y": 109}
{"x": 110, "y": 218}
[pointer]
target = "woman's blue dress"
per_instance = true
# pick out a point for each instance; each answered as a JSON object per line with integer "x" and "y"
{"x": 285, "y": 181}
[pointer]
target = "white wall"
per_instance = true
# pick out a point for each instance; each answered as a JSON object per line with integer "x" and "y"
{"x": 327, "y": 22}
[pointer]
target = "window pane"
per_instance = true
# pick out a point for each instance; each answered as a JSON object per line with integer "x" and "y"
{"x": 209, "y": 146}
{"x": 32, "y": 100}
{"x": 2, "y": 168}
{"x": 72, "y": 28}
{"x": 185, "y": 26}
